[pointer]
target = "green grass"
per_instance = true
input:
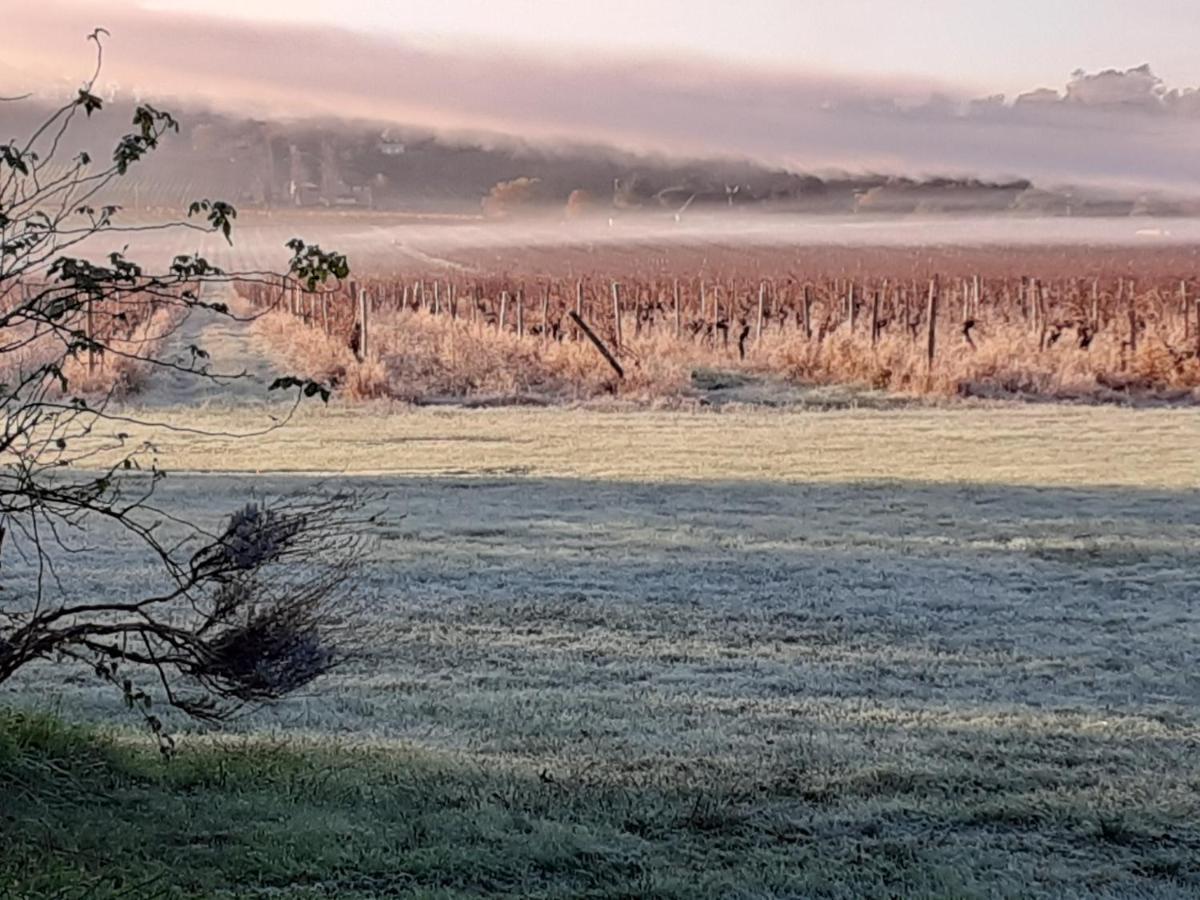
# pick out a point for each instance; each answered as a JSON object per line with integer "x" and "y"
{"x": 100, "y": 815}
{"x": 89, "y": 814}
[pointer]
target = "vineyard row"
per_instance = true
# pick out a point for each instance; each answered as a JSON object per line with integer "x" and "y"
{"x": 737, "y": 315}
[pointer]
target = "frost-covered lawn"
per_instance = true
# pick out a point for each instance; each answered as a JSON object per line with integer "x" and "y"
{"x": 907, "y": 653}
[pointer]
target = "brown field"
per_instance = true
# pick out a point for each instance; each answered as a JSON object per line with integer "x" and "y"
{"x": 749, "y": 260}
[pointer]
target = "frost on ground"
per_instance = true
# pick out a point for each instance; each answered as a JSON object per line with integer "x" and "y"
{"x": 890, "y": 652}
{"x": 220, "y": 345}
{"x": 946, "y": 649}
{"x": 983, "y": 679}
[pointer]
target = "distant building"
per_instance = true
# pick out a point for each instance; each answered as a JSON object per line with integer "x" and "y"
{"x": 390, "y": 146}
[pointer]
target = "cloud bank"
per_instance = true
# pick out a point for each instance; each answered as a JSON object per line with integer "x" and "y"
{"x": 1121, "y": 130}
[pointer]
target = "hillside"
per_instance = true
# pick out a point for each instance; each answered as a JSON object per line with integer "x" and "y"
{"x": 329, "y": 163}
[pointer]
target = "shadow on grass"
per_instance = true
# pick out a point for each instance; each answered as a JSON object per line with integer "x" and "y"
{"x": 102, "y": 816}
{"x": 855, "y": 690}
{"x": 89, "y": 816}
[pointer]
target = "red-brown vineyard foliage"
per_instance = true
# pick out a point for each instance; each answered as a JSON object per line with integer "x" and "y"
{"x": 1103, "y": 335}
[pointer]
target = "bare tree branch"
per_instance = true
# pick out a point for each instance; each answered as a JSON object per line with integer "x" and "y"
{"x": 241, "y": 613}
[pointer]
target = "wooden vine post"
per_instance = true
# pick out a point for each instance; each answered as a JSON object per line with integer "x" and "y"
{"x": 1039, "y": 301}
{"x": 503, "y": 311}
{"x": 598, "y": 344}
{"x": 616, "y": 299}
{"x": 931, "y": 314}
{"x": 1183, "y": 305}
{"x": 678, "y": 322}
{"x": 875, "y": 318}
{"x": 716, "y": 314}
{"x": 1133, "y": 330}
{"x": 545, "y": 313}
{"x": 758, "y": 324}
{"x": 364, "y": 329}
{"x": 578, "y": 305}
{"x": 1198, "y": 327}
{"x": 91, "y": 335}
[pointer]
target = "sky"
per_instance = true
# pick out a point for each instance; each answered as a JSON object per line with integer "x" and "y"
{"x": 807, "y": 85}
{"x": 989, "y": 45}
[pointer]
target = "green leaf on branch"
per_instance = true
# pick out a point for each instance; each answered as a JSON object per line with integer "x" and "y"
{"x": 13, "y": 158}
{"x": 220, "y": 215}
{"x": 89, "y": 101}
{"x": 308, "y": 387}
{"x": 314, "y": 266}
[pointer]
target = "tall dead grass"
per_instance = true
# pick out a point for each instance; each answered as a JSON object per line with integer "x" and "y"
{"x": 417, "y": 356}
{"x": 420, "y": 357}
{"x": 1007, "y": 360}
{"x": 118, "y": 373}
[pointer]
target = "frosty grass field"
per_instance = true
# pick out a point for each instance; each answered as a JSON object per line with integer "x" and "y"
{"x": 918, "y": 652}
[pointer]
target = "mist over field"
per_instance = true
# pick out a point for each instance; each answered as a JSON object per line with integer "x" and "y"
{"x": 1114, "y": 131}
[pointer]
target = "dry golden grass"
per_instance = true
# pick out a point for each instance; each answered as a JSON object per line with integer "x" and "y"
{"x": 416, "y": 356}
{"x": 125, "y": 370}
{"x": 1034, "y": 444}
{"x": 1005, "y": 362}
{"x": 120, "y": 372}
{"x": 420, "y": 357}
{"x": 310, "y": 351}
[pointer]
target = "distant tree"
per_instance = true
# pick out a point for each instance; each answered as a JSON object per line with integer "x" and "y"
{"x": 1138, "y": 87}
{"x": 580, "y": 204}
{"x": 1038, "y": 98}
{"x": 226, "y": 617}
{"x": 507, "y": 198}
{"x": 632, "y": 192}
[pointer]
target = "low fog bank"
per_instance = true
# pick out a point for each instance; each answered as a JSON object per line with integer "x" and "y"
{"x": 745, "y": 229}
{"x": 327, "y": 164}
{"x": 382, "y": 243}
{"x": 805, "y": 230}
{"x": 1124, "y": 132}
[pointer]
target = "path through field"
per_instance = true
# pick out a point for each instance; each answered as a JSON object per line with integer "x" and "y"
{"x": 243, "y": 372}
